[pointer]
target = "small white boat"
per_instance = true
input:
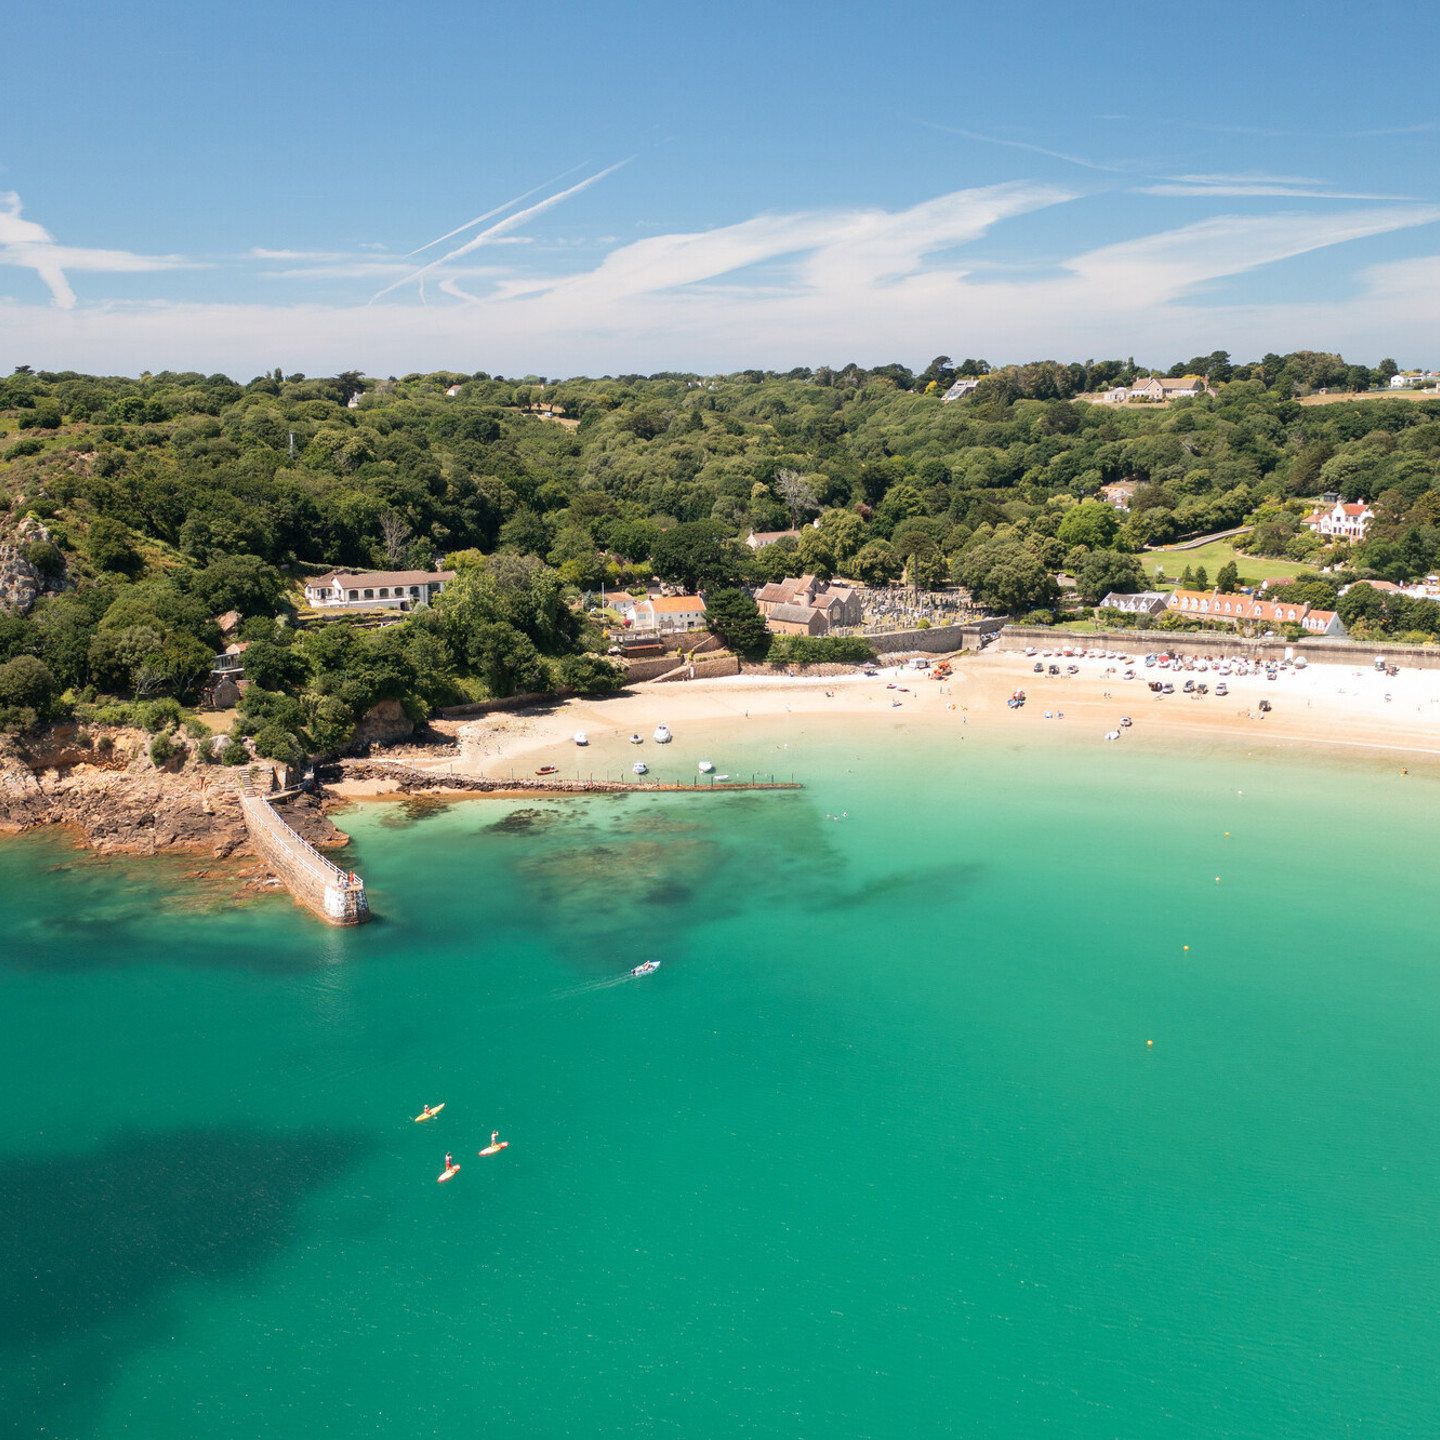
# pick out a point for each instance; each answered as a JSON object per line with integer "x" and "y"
{"x": 662, "y": 735}
{"x": 1112, "y": 734}
{"x": 636, "y": 740}
{"x": 722, "y": 777}
{"x": 581, "y": 738}
{"x": 706, "y": 768}
{"x": 640, "y": 768}
{"x": 648, "y": 968}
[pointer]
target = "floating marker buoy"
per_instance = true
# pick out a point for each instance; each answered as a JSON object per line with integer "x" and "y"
{"x": 1149, "y": 1042}
{"x": 1187, "y": 947}
{"x": 1217, "y": 879}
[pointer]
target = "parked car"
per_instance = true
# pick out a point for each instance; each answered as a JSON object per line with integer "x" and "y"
{"x": 1054, "y": 669}
{"x": 1222, "y": 689}
{"x": 1039, "y": 667}
{"x": 1156, "y": 686}
{"x": 1265, "y": 705}
{"x": 1168, "y": 689}
{"x": 1189, "y": 687}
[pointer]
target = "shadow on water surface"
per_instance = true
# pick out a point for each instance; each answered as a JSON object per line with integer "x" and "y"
{"x": 92, "y": 1244}
{"x": 593, "y": 881}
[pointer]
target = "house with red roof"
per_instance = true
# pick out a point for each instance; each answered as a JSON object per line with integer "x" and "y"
{"x": 1341, "y": 521}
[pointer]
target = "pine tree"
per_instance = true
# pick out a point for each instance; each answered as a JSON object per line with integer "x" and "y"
{"x": 1187, "y": 580}
{"x": 1202, "y": 579}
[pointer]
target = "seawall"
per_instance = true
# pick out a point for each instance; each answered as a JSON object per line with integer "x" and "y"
{"x": 1316, "y": 650}
{"x": 337, "y": 896}
{"x": 937, "y": 640}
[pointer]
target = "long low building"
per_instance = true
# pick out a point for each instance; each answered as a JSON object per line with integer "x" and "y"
{"x": 376, "y": 589}
{"x": 1239, "y": 609}
{"x": 1142, "y": 602}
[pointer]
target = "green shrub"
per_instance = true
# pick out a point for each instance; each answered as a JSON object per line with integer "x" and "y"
{"x": 820, "y": 650}
{"x": 161, "y": 714}
{"x": 274, "y": 743}
{"x": 196, "y": 728}
{"x": 24, "y": 447}
{"x": 45, "y": 557}
{"x": 162, "y": 748}
{"x": 234, "y": 753}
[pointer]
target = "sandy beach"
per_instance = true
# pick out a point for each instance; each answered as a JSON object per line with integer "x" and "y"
{"x": 1342, "y": 709}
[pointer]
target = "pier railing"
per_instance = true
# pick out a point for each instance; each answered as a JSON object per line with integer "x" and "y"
{"x": 336, "y": 895}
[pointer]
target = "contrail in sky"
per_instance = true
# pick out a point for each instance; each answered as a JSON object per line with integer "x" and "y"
{"x": 501, "y": 227}
{"x": 489, "y": 214}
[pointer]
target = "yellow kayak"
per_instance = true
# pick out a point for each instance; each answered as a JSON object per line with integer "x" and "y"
{"x": 429, "y": 1113}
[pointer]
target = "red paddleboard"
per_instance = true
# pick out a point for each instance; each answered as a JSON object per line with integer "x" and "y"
{"x": 449, "y": 1174}
{"x": 434, "y": 1111}
{"x": 496, "y": 1149}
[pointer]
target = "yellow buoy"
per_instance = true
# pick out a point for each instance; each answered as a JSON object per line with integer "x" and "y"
{"x": 1149, "y": 1042}
{"x": 1217, "y": 879}
{"x": 1187, "y": 947}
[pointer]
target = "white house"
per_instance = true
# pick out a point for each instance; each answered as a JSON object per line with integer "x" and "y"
{"x": 1145, "y": 602}
{"x": 376, "y": 589}
{"x": 1341, "y": 521}
{"x": 1161, "y": 387}
{"x": 670, "y": 612}
{"x": 960, "y": 389}
{"x": 759, "y": 539}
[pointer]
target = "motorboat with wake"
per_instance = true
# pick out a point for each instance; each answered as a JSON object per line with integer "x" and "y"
{"x": 648, "y": 968}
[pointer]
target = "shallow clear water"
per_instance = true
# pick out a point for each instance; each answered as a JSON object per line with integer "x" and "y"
{"x": 881, "y": 1151}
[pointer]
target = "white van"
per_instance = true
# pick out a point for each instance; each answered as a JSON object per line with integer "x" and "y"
{"x": 919, "y": 663}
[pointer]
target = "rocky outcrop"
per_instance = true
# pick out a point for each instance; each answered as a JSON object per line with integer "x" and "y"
{"x": 21, "y": 583}
{"x": 383, "y": 724}
{"x": 120, "y": 802}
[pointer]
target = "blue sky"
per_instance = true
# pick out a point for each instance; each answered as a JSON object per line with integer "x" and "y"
{"x": 226, "y": 187}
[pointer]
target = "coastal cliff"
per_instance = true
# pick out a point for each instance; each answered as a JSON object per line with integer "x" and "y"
{"x": 105, "y": 786}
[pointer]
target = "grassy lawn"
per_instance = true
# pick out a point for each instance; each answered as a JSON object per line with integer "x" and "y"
{"x": 1212, "y": 557}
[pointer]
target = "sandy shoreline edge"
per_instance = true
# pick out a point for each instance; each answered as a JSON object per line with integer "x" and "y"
{"x": 1343, "y": 709}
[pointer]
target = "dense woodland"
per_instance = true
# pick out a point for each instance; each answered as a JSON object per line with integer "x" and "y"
{"x": 172, "y": 498}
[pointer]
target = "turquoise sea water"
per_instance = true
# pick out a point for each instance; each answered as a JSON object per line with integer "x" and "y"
{"x": 881, "y": 1151}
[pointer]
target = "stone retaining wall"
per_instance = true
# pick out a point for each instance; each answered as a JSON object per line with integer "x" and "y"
{"x": 937, "y": 640}
{"x": 335, "y": 895}
{"x": 704, "y": 669}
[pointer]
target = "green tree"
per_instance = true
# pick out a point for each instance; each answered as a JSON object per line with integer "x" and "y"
{"x": 732, "y": 615}
{"x": 1202, "y": 578}
{"x": 876, "y": 563}
{"x": 699, "y": 555}
{"x": 110, "y": 548}
{"x": 1107, "y": 570}
{"x": 26, "y": 683}
{"x": 1091, "y": 523}
{"x": 1227, "y": 582}
{"x": 1004, "y": 575}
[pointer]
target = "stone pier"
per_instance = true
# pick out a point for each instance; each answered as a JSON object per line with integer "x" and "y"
{"x": 337, "y": 896}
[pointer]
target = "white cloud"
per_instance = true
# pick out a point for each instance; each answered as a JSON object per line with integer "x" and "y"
{"x": 25, "y": 244}
{"x": 786, "y": 289}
